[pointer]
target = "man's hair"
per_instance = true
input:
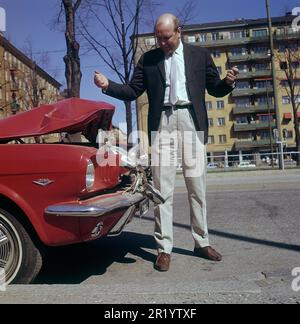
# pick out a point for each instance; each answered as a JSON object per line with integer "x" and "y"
{"x": 176, "y": 21}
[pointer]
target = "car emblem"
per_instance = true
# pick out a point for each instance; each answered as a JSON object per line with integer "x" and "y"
{"x": 43, "y": 182}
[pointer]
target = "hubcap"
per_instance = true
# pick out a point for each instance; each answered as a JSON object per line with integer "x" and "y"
{"x": 10, "y": 252}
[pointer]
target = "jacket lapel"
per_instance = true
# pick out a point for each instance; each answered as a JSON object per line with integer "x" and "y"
{"x": 161, "y": 66}
{"x": 188, "y": 58}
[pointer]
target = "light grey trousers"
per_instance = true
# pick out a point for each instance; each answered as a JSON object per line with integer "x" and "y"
{"x": 177, "y": 134}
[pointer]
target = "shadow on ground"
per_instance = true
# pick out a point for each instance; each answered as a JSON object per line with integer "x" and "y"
{"x": 74, "y": 264}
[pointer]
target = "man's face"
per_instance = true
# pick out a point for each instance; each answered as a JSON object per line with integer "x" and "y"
{"x": 168, "y": 38}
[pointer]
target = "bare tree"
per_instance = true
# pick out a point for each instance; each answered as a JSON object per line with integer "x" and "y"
{"x": 188, "y": 12}
{"x": 72, "y": 61}
{"x": 289, "y": 58}
{"x": 118, "y": 21}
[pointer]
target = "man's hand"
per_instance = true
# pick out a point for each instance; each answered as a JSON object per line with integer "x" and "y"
{"x": 101, "y": 81}
{"x": 232, "y": 75}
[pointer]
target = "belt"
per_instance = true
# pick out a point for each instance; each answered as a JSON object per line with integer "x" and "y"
{"x": 166, "y": 107}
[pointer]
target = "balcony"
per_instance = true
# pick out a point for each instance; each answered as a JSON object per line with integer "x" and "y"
{"x": 239, "y": 110}
{"x": 255, "y": 74}
{"x": 259, "y": 39}
{"x": 251, "y": 91}
{"x": 242, "y": 145}
{"x": 209, "y": 42}
{"x": 248, "y": 57}
{"x": 253, "y": 126}
{"x": 288, "y": 36}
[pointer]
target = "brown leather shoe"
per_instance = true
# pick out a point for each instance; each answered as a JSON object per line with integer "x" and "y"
{"x": 208, "y": 253}
{"x": 163, "y": 262}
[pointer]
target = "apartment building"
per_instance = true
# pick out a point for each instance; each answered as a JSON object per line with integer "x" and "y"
{"x": 245, "y": 120}
{"x": 23, "y": 84}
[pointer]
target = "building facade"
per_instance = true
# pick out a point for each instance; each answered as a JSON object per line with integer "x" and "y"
{"x": 245, "y": 120}
{"x": 23, "y": 84}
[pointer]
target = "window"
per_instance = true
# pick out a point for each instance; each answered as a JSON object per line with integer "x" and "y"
{"x": 221, "y": 122}
{"x": 211, "y": 140}
{"x": 264, "y": 100}
{"x": 209, "y": 105}
{"x": 242, "y": 85}
{"x": 263, "y": 84}
{"x": 238, "y": 51}
{"x": 242, "y": 120}
{"x": 287, "y": 134}
{"x": 237, "y": 34}
{"x": 210, "y": 122}
{"x": 242, "y": 102}
{"x": 241, "y": 67}
{"x": 222, "y": 139}
{"x": 245, "y": 136}
{"x": 281, "y": 48}
{"x": 295, "y": 65}
{"x": 216, "y": 36}
{"x": 264, "y": 135}
{"x": 260, "y": 33}
{"x": 284, "y": 83}
{"x": 262, "y": 66}
{"x": 220, "y": 104}
{"x": 202, "y": 38}
{"x": 280, "y": 31}
{"x": 150, "y": 41}
{"x": 191, "y": 39}
{"x": 265, "y": 118}
{"x": 260, "y": 50}
{"x": 283, "y": 65}
{"x": 286, "y": 100}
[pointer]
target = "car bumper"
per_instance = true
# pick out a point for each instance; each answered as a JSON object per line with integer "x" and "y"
{"x": 96, "y": 207}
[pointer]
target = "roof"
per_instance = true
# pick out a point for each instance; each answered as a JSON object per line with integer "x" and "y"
{"x": 70, "y": 115}
{"x": 27, "y": 61}
{"x": 234, "y": 24}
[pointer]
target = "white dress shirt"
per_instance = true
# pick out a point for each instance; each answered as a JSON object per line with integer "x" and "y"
{"x": 182, "y": 95}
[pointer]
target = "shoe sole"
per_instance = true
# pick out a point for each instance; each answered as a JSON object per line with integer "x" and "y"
{"x": 161, "y": 269}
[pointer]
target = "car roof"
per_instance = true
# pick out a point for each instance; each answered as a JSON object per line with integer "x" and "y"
{"x": 71, "y": 115}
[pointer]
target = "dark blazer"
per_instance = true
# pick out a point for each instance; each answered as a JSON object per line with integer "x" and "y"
{"x": 150, "y": 76}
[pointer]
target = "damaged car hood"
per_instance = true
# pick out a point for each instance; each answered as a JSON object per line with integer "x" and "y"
{"x": 70, "y": 116}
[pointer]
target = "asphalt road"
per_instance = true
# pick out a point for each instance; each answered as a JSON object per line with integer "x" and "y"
{"x": 254, "y": 222}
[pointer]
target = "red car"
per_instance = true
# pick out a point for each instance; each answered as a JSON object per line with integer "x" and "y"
{"x": 58, "y": 194}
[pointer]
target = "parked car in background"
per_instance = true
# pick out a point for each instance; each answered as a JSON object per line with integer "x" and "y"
{"x": 246, "y": 164}
{"x": 212, "y": 165}
{"x": 60, "y": 194}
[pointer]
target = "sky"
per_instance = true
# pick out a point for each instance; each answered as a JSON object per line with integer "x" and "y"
{"x": 33, "y": 19}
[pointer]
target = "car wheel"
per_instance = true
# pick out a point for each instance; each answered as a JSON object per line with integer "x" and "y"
{"x": 19, "y": 257}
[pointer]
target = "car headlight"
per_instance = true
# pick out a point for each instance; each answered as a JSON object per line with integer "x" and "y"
{"x": 90, "y": 175}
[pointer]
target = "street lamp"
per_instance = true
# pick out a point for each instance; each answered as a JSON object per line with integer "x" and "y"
{"x": 276, "y": 102}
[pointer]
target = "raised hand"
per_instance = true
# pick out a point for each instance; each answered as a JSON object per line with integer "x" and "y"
{"x": 101, "y": 80}
{"x": 232, "y": 75}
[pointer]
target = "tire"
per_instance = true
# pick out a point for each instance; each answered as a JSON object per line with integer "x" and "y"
{"x": 19, "y": 256}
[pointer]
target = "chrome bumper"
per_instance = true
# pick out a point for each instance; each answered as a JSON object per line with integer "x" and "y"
{"x": 96, "y": 207}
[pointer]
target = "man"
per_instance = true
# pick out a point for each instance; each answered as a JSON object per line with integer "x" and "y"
{"x": 175, "y": 77}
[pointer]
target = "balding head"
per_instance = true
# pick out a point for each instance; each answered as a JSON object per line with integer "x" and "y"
{"x": 168, "y": 20}
{"x": 168, "y": 33}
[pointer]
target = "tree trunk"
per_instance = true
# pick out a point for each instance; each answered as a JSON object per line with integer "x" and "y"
{"x": 129, "y": 122}
{"x": 297, "y": 130}
{"x": 72, "y": 61}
